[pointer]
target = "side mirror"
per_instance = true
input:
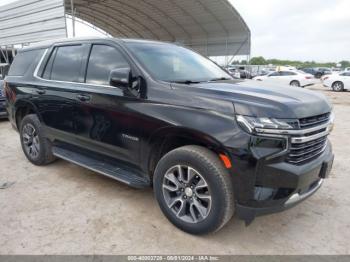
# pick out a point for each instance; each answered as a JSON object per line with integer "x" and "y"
{"x": 121, "y": 78}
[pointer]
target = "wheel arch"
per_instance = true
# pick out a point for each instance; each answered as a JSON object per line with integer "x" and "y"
{"x": 168, "y": 139}
{"x": 337, "y": 81}
{"x": 295, "y": 80}
{"x": 23, "y": 108}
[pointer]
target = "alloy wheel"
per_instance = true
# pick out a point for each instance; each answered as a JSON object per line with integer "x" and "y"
{"x": 337, "y": 86}
{"x": 187, "y": 194}
{"x": 31, "y": 141}
{"x": 295, "y": 83}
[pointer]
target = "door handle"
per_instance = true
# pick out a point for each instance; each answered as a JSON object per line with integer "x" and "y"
{"x": 83, "y": 98}
{"x": 40, "y": 91}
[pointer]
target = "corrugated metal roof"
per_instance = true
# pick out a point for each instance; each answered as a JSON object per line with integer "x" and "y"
{"x": 213, "y": 27}
{"x": 28, "y": 21}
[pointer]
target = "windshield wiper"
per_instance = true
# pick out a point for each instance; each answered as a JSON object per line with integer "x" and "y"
{"x": 219, "y": 79}
{"x": 186, "y": 82}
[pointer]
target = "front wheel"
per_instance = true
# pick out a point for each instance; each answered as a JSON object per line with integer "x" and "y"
{"x": 295, "y": 83}
{"x": 194, "y": 190}
{"x": 338, "y": 86}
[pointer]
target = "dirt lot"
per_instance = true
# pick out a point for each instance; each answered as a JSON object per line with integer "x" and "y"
{"x": 65, "y": 209}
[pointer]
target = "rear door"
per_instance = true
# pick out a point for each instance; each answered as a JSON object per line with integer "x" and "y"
{"x": 59, "y": 85}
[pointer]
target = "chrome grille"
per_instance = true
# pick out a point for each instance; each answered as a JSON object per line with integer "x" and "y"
{"x": 313, "y": 121}
{"x": 312, "y": 144}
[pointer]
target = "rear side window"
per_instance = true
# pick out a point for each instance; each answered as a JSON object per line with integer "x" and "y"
{"x": 103, "y": 59}
{"x": 65, "y": 64}
{"x": 23, "y": 61}
{"x": 275, "y": 74}
{"x": 288, "y": 73}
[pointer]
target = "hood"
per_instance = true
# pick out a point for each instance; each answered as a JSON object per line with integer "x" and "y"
{"x": 253, "y": 98}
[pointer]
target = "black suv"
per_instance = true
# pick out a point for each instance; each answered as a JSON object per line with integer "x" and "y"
{"x": 157, "y": 114}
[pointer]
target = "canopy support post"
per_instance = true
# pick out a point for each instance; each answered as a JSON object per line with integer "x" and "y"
{"x": 73, "y": 16}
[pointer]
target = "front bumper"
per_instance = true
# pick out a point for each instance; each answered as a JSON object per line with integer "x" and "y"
{"x": 284, "y": 186}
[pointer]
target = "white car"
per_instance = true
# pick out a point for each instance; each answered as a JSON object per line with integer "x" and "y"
{"x": 293, "y": 78}
{"x": 338, "y": 82}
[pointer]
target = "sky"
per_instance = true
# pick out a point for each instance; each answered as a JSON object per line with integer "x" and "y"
{"x": 304, "y": 30}
{"x": 298, "y": 29}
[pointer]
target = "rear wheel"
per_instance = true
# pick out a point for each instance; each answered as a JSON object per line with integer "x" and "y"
{"x": 338, "y": 86}
{"x": 194, "y": 190}
{"x": 295, "y": 83}
{"x": 36, "y": 147}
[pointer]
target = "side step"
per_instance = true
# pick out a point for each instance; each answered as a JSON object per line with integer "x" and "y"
{"x": 104, "y": 168}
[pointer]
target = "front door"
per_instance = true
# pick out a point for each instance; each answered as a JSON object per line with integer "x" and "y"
{"x": 106, "y": 119}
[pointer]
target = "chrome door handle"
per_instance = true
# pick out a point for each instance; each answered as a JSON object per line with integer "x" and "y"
{"x": 40, "y": 91}
{"x": 83, "y": 98}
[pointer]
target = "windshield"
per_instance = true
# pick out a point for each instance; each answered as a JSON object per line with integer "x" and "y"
{"x": 172, "y": 63}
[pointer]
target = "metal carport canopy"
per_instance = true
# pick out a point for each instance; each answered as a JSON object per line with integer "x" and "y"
{"x": 212, "y": 27}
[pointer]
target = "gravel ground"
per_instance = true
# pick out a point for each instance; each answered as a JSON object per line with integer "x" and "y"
{"x": 65, "y": 209}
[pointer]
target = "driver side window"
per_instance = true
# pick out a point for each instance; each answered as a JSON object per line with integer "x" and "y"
{"x": 103, "y": 59}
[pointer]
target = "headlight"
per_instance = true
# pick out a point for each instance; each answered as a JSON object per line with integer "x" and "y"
{"x": 254, "y": 124}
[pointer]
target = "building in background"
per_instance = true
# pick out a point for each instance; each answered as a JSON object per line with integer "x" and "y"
{"x": 211, "y": 27}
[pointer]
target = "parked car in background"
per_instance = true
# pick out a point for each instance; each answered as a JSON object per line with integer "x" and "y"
{"x": 234, "y": 73}
{"x": 337, "y": 70}
{"x": 338, "y": 82}
{"x": 262, "y": 72}
{"x": 347, "y": 69}
{"x": 317, "y": 72}
{"x": 245, "y": 74}
{"x": 308, "y": 70}
{"x": 239, "y": 72}
{"x": 3, "y": 112}
{"x": 292, "y": 78}
{"x": 321, "y": 71}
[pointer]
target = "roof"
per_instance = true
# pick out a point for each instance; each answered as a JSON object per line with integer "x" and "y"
{"x": 212, "y": 27}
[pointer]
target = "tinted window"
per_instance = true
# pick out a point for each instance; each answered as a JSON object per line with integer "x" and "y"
{"x": 275, "y": 74}
{"x": 287, "y": 73}
{"x": 67, "y": 63}
{"x": 48, "y": 67}
{"x": 103, "y": 59}
{"x": 174, "y": 63}
{"x": 23, "y": 61}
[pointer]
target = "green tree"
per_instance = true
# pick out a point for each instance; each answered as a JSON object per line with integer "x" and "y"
{"x": 344, "y": 64}
{"x": 258, "y": 61}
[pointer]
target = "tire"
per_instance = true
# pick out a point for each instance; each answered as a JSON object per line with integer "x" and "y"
{"x": 295, "y": 83}
{"x": 36, "y": 147}
{"x": 206, "y": 169}
{"x": 338, "y": 86}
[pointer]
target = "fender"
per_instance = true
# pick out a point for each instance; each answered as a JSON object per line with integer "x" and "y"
{"x": 155, "y": 143}
{"x": 24, "y": 103}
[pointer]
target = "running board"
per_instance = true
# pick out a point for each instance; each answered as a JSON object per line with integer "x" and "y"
{"x": 103, "y": 168}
